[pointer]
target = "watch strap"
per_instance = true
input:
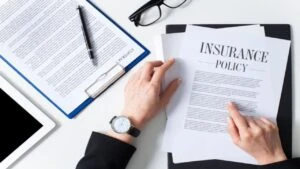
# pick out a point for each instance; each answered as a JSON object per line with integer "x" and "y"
{"x": 134, "y": 131}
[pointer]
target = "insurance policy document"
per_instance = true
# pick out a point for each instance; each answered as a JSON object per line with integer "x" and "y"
{"x": 43, "y": 40}
{"x": 169, "y": 45}
{"x": 223, "y": 69}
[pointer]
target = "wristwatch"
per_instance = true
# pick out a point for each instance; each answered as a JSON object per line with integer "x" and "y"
{"x": 122, "y": 125}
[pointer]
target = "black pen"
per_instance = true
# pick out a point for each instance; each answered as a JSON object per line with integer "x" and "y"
{"x": 85, "y": 33}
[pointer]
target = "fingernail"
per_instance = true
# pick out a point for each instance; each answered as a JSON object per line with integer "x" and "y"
{"x": 179, "y": 81}
{"x": 228, "y": 120}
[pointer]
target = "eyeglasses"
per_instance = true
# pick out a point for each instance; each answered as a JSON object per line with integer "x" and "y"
{"x": 151, "y": 11}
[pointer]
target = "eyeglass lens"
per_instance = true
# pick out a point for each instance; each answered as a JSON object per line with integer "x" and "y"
{"x": 150, "y": 15}
{"x": 174, "y": 3}
{"x": 153, "y": 14}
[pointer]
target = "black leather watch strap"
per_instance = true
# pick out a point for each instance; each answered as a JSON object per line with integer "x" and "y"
{"x": 134, "y": 131}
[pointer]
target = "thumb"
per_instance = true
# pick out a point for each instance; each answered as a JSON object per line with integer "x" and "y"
{"x": 169, "y": 92}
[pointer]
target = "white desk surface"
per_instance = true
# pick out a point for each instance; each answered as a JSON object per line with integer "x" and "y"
{"x": 65, "y": 146}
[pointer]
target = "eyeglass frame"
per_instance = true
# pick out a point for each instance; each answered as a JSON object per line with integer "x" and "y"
{"x": 136, "y": 16}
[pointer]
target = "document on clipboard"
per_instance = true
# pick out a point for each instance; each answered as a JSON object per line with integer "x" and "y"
{"x": 43, "y": 42}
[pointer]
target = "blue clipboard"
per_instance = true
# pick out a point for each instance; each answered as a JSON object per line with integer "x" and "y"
{"x": 88, "y": 101}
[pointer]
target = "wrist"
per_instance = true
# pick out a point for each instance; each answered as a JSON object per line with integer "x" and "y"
{"x": 122, "y": 137}
{"x": 137, "y": 122}
{"x": 277, "y": 157}
{"x": 118, "y": 130}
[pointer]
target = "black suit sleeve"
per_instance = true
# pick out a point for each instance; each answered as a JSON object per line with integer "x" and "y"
{"x": 104, "y": 152}
{"x": 288, "y": 164}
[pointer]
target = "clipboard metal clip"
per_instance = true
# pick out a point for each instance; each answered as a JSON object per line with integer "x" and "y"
{"x": 105, "y": 80}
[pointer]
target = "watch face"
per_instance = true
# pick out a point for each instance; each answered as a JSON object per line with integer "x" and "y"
{"x": 121, "y": 124}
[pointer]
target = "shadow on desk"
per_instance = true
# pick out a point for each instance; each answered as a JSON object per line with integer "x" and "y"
{"x": 149, "y": 144}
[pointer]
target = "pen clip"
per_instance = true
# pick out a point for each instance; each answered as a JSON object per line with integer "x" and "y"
{"x": 105, "y": 80}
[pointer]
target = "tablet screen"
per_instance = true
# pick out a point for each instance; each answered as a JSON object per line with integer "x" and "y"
{"x": 16, "y": 125}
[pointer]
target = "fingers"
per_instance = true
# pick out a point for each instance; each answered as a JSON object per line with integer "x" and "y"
{"x": 148, "y": 68}
{"x": 233, "y": 131}
{"x": 160, "y": 72}
{"x": 237, "y": 118}
{"x": 268, "y": 122}
{"x": 268, "y": 125}
{"x": 255, "y": 129}
{"x": 259, "y": 138}
{"x": 260, "y": 123}
{"x": 169, "y": 92}
{"x": 251, "y": 122}
{"x": 135, "y": 76}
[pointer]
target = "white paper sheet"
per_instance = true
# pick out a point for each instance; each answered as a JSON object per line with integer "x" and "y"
{"x": 169, "y": 45}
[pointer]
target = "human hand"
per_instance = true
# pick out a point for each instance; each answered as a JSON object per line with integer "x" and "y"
{"x": 258, "y": 137}
{"x": 143, "y": 94}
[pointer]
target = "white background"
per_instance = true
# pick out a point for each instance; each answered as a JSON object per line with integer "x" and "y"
{"x": 66, "y": 144}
